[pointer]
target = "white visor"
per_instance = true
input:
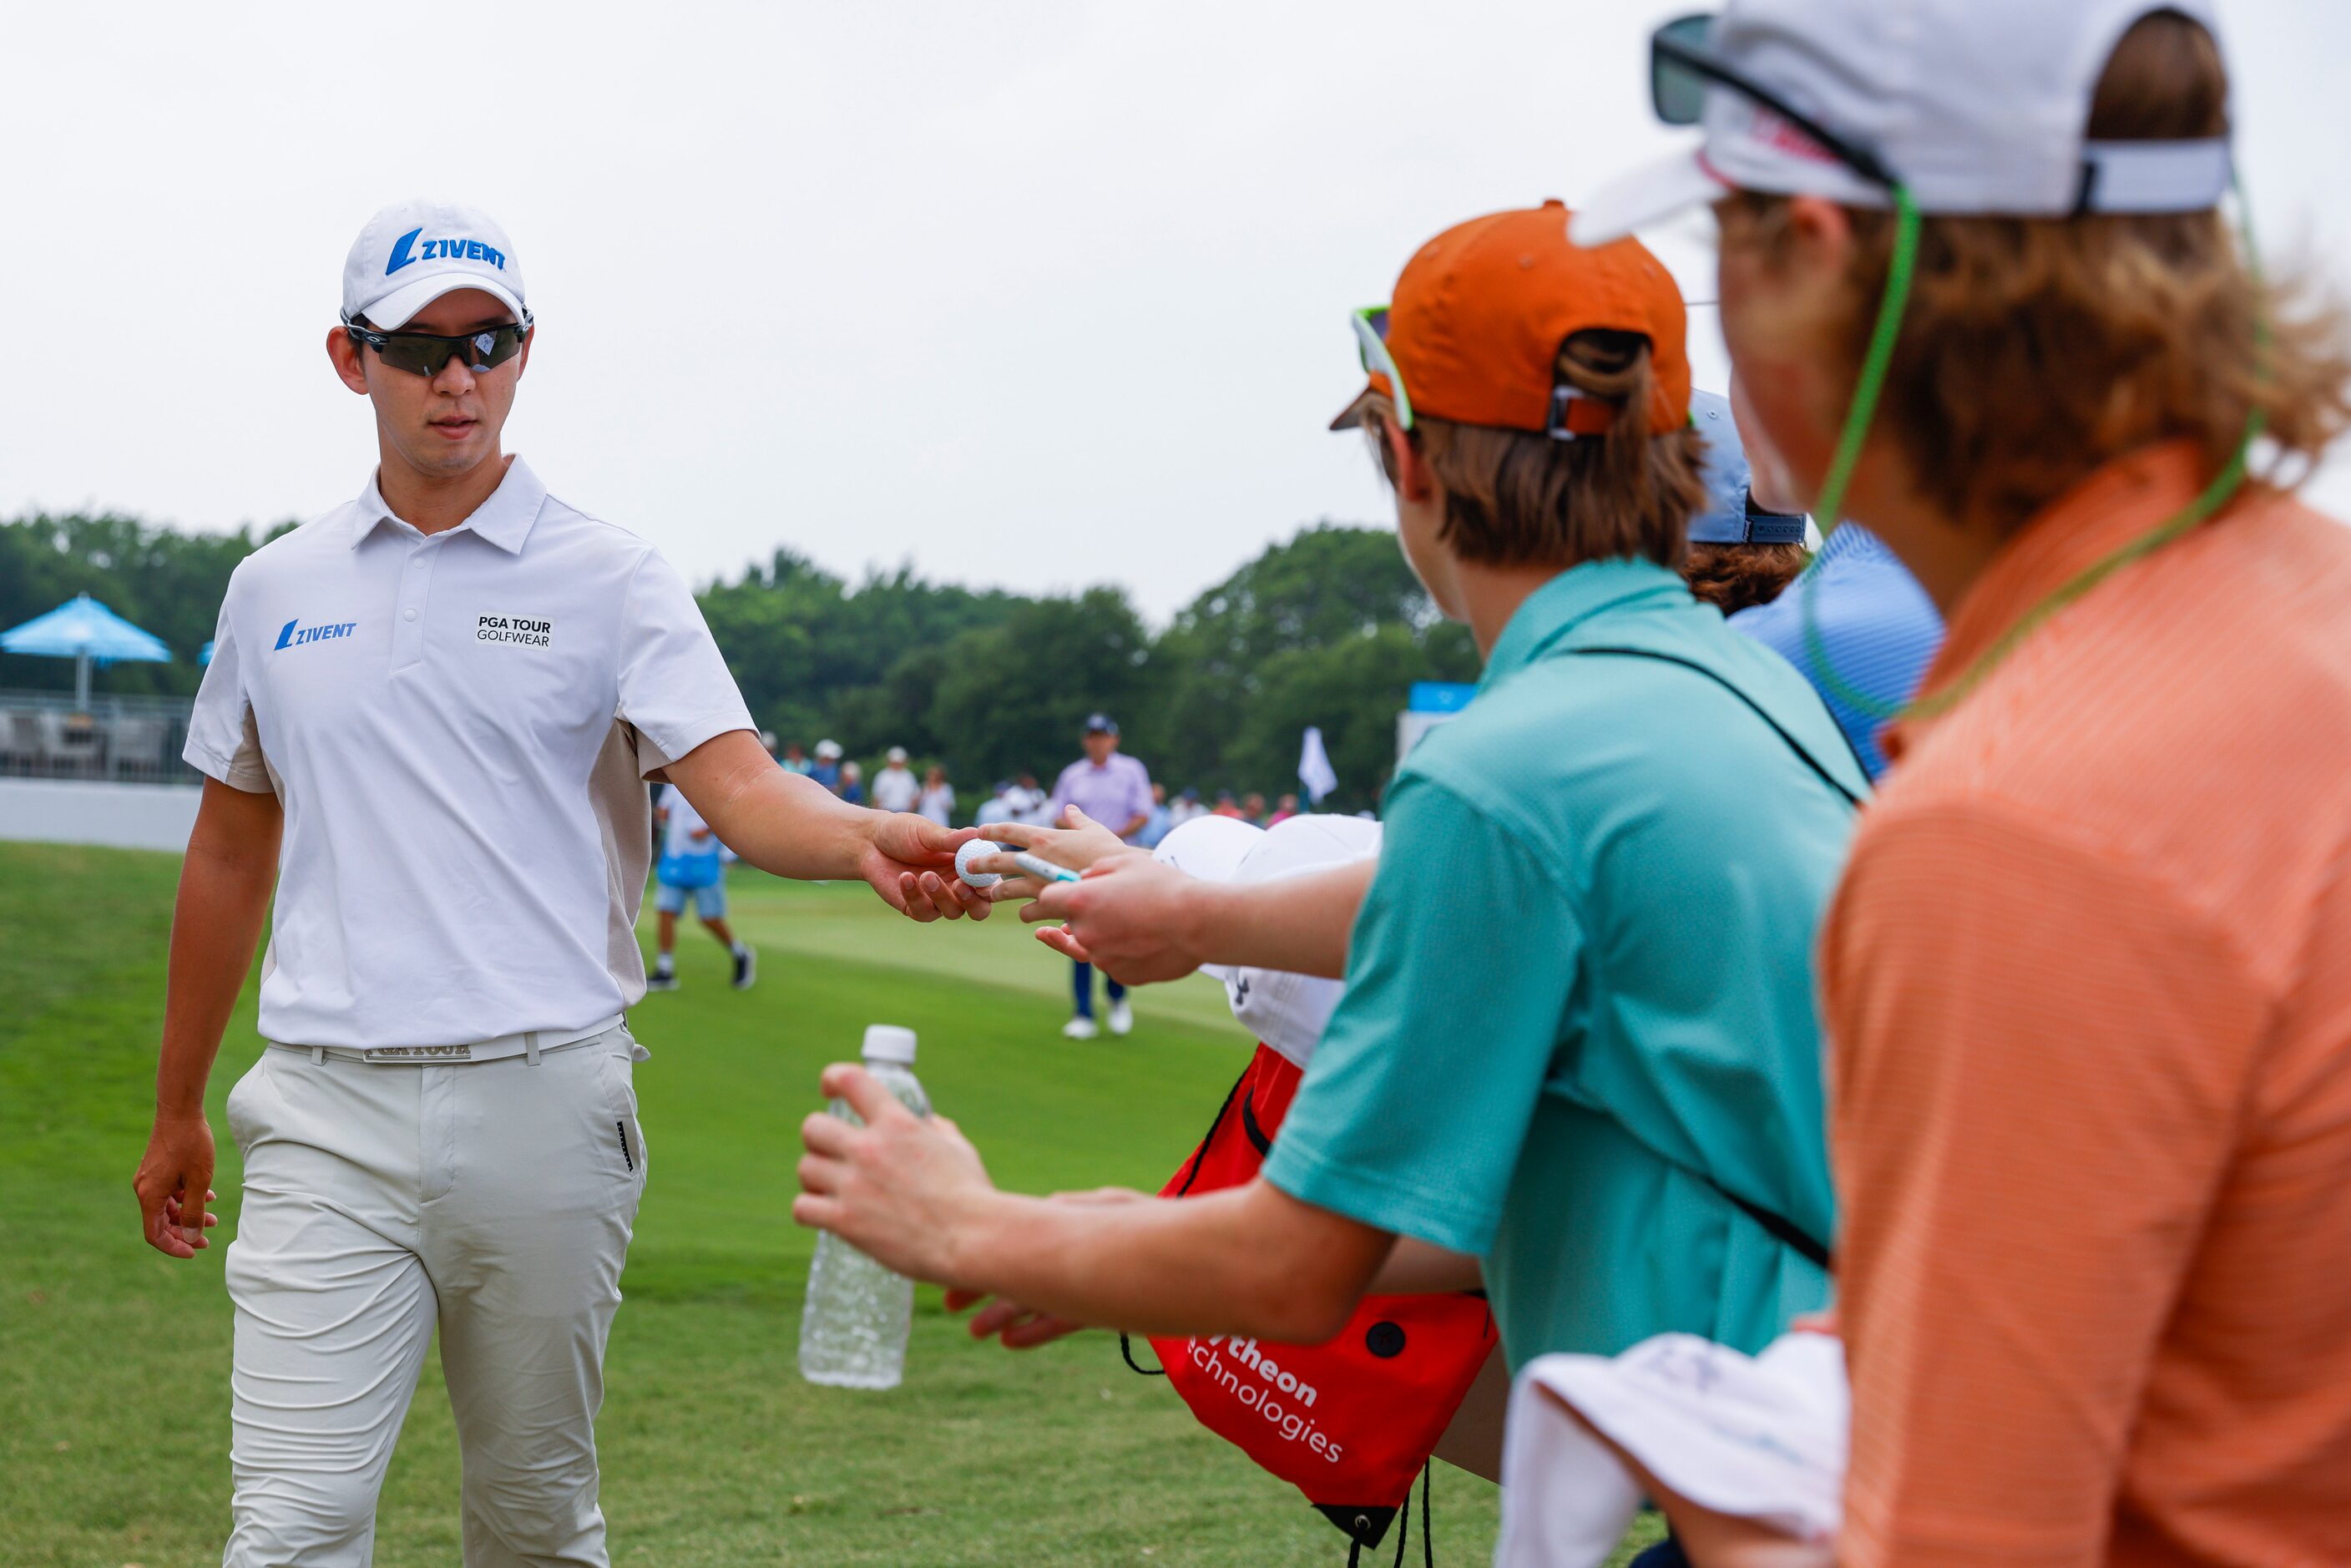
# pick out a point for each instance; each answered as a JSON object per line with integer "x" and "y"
{"x": 1643, "y": 196}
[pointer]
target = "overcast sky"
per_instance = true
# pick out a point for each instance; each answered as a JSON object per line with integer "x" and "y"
{"x": 1038, "y": 294}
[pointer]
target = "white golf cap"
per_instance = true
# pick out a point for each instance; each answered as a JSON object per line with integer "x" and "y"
{"x": 1980, "y": 107}
{"x": 1210, "y": 848}
{"x": 1284, "y": 1009}
{"x": 897, "y": 754}
{"x": 828, "y": 748}
{"x": 411, "y": 253}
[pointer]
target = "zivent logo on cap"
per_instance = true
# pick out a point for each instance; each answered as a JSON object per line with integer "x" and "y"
{"x": 404, "y": 251}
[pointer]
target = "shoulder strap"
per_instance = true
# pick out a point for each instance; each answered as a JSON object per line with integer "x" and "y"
{"x": 1779, "y": 1226}
{"x": 1827, "y": 778}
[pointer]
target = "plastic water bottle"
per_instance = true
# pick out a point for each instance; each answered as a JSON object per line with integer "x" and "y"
{"x": 855, "y": 1323}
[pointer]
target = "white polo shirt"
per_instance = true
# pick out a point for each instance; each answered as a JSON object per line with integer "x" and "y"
{"x": 459, "y": 727}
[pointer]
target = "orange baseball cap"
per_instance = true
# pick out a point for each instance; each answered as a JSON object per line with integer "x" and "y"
{"x": 1479, "y": 314}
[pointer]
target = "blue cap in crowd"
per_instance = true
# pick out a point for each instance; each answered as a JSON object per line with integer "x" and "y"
{"x": 1732, "y": 516}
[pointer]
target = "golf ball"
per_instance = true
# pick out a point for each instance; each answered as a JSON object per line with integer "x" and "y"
{"x": 963, "y": 858}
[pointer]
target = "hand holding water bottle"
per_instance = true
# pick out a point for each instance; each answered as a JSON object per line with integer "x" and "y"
{"x": 859, "y": 1312}
{"x": 898, "y": 1188}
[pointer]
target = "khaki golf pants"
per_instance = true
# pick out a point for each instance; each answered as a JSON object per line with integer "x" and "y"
{"x": 491, "y": 1200}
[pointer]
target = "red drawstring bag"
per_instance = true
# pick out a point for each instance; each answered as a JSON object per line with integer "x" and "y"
{"x": 1351, "y": 1423}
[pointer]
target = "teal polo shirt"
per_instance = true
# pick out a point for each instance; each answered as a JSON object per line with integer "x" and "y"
{"x": 1579, "y": 1006}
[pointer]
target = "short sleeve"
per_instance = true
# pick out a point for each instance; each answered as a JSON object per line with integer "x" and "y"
{"x": 1417, "y": 1102}
{"x": 1141, "y": 805}
{"x": 675, "y": 689}
{"x": 223, "y": 741}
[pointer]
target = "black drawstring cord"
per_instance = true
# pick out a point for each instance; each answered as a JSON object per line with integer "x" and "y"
{"x": 1125, "y": 1350}
{"x": 1427, "y": 1539}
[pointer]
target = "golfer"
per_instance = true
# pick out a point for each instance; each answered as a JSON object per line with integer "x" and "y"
{"x": 429, "y": 720}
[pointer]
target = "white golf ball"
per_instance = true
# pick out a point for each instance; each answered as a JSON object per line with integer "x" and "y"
{"x": 963, "y": 858}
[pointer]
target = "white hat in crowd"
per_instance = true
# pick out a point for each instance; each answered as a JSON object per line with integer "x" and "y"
{"x": 1977, "y": 107}
{"x": 1284, "y": 1009}
{"x": 828, "y": 749}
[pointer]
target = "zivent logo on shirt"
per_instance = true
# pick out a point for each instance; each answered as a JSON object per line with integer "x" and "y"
{"x": 523, "y": 630}
{"x": 294, "y": 634}
{"x": 405, "y": 250}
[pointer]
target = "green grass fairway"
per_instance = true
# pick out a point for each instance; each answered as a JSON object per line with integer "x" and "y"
{"x": 114, "y": 1360}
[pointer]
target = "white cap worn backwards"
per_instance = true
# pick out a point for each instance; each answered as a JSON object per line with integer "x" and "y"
{"x": 411, "y": 253}
{"x": 1979, "y": 107}
{"x": 1284, "y": 1009}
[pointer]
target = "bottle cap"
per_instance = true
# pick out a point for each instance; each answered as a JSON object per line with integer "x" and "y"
{"x": 889, "y": 1042}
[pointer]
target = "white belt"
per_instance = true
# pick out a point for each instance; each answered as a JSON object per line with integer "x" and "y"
{"x": 529, "y": 1042}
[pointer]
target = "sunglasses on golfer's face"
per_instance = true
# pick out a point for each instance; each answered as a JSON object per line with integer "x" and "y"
{"x": 1683, "y": 64}
{"x": 424, "y": 353}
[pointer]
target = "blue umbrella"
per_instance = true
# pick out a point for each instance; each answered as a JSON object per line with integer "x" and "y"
{"x": 85, "y": 630}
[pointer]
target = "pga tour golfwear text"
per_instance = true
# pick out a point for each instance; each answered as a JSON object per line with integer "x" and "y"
{"x": 457, "y": 726}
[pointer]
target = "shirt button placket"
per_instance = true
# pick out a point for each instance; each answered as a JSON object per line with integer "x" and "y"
{"x": 408, "y": 613}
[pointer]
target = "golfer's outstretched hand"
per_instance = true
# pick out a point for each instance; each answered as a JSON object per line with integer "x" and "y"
{"x": 899, "y": 1188}
{"x": 176, "y": 1168}
{"x": 1023, "y": 1327}
{"x": 1078, "y": 844}
{"x": 1129, "y": 914}
{"x": 910, "y": 862}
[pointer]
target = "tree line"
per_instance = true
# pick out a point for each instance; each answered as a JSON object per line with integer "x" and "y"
{"x": 1328, "y": 628}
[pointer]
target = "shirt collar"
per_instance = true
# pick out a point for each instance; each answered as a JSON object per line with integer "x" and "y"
{"x": 2129, "y": 496}
{"x": 503, "y": 520}
{"x": 1852, "y": 542}
{"x": 1581, "y": 593}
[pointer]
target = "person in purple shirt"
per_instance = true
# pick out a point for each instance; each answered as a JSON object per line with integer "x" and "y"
{"x": 1114, "y": 791}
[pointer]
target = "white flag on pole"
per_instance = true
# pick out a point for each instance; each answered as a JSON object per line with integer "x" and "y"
{"x": 1314, "y": 767}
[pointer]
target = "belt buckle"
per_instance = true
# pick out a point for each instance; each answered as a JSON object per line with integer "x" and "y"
{"x": 420, "y": 1053}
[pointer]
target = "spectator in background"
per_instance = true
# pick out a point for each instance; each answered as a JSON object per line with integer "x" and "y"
{"x": 1160, "y": 823}
{"x": 690, "y": 869}
{"x": 1030, "y": 804}
{"x": 1253, "y": 807}
{"x": 895, "y": 787}
{"x": 997, "y": 808}
{"x": 852, "y": 790}
{"x": 1283, "y": 809}
{"x": 827, "y": 770}
{"x": 794, "y": 760}
{"x": 938, "y": 800}
{"x": 1225, "y": 807}
{"x": 1115, "y": 791}
{"x": 1187, "y": 806}
{"x": 1878, "y": 630}
{"x": 1744, "y": 550}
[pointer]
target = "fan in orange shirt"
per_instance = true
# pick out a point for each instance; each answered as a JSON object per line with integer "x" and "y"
{"x": 2088, "y": 975}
